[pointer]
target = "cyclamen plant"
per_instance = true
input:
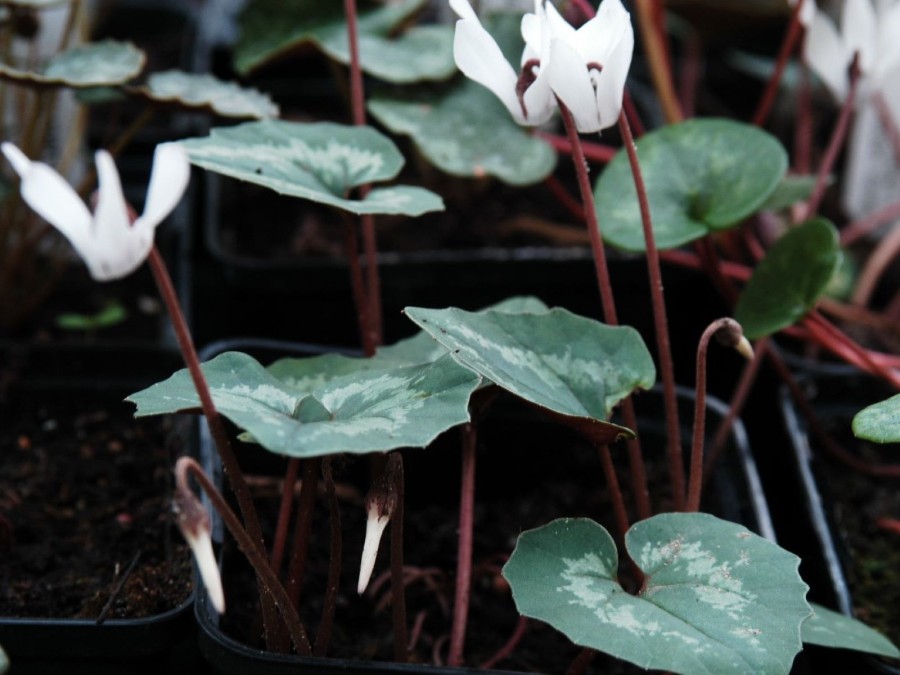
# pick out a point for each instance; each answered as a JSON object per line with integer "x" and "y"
{"x": 704, "y": 594}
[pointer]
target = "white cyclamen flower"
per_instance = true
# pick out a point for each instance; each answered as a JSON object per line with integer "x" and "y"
{"x": 871, "y": 31}
{"x": 110, "y": 244}
{"x": 585, "y": 68}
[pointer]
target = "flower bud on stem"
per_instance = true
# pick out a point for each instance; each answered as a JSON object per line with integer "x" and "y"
{"x": 380, "y": 505}
{"x": 193, "y": 523}
{"x": 268, "y": 580}
{"x": 728, "y": 332}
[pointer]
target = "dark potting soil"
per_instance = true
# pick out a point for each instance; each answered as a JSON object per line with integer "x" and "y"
{"x": 859, "y": 505}
{"x": 85, "y": 525}
{"x": 530, "y": 471}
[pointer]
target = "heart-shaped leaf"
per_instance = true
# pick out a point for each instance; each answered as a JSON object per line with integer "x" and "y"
{"x": 716, "y": 599}
{"x": 367, "y": 410}
{"x": 274, "y": 28}
{"x": 96, "y": 64}
{"x": 789, "y": 280}
{"x": 879, "y": 422}
{"x": 790, "y": 190}
{"x": 702, "y": 175}
{"x": 422, "y": 348}
{"x": 463, "y": 129}
{"x": 570, "y": 365}
{"x": 320, "y": 161}
{"x": 827, "y": 628}
{"x": 205, "y": 92}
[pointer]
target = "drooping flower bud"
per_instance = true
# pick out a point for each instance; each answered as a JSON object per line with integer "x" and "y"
{"x": 731, "y": 334}
{"x": 380, "y": 505}
{"x": 193, "y": 521}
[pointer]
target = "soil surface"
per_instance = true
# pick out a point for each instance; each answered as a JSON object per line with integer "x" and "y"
{"x": 859, "y": 506}
{"x": 85, "y": 527}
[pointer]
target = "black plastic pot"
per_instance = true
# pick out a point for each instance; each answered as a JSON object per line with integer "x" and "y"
{"x": 238, "y": 290}
{"x": 837, "y": 393}
{"x": 320, "y": 284}
{"x": 735, "y": 493}
{"x": 87, "y": 378}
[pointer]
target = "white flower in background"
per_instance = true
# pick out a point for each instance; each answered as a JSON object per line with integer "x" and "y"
{"x": 871, "y": 31}
{"x": 110, "y": 244}
{"x": 585, "y": 68}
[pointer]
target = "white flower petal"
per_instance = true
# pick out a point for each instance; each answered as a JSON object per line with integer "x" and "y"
{"x": 571, "y": 82}
{"x": 20, "y": 162}
{"x": 52, "y": 198}
{"x": 610, "y": 82}
{"x": 463, "y": 10}
{"x": 375, "y": 525}
{"x": 559, "y": 27}
{"x": 891, "y": 93}
{"x": 201, "y": 547}
{"x": 859, "y": 30}
{"x": 607, "y": 40}
{"x": 807, "y": 12}
{"x": 479, "y": 57}
{"x": 168, "y": 181}
{"x": 826, "y": 54}
{"x": 531, "y": 33}
{"x": 597, "y": 38}
{"x": 888, "y": 43}
{"x": 117, "y": 248}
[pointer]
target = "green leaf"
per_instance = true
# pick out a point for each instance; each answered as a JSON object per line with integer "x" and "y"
{"x": 350, "y": 408}
{"x": 110, "y": 315}
{"x": 422, "y": 348}
{"x": 463, "y": 129}
{"x": 717, "y": 598}
{"x": 790, "y": 190}
{"x": 702, "y": 176}
{"x": 95, "y": 64}
{"x": 304, "y": 375}
{"x": 789, "y": 280}
{"x": 320, "y": 161}
{"x": 843, "y": 282}
{"x": 191, "y": 90}
{"x": 272, "y": 29}
{"x": 879, "y": 422}
{"x": 572, "y": 366}
{"x": 832, "y": 629}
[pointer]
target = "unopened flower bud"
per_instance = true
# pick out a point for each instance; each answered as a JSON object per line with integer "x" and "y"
{"x": 731, "y": 334}
{"x": 193, "y": 521}
{"x": 380, "y": 504}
